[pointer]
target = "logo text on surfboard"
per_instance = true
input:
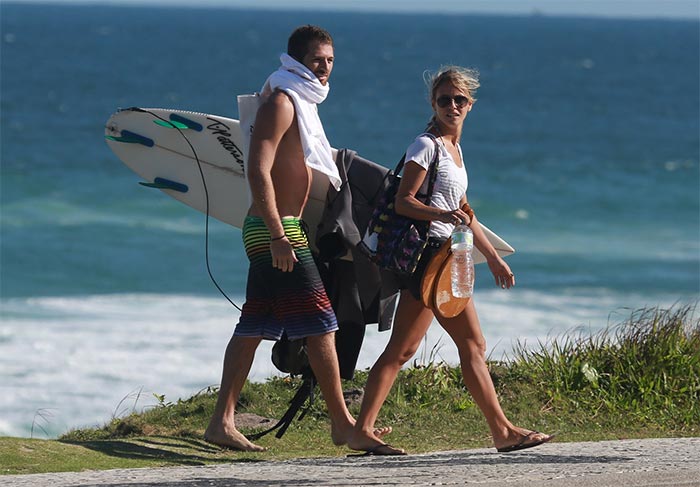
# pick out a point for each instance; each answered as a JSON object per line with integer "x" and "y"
{"x": 223, "y": 135}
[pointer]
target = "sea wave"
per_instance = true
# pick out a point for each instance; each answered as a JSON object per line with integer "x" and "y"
{"x": 56, "y": 211}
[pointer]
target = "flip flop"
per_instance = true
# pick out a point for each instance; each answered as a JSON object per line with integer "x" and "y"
{"x": 384, "y": 449}
{"x": 522, "y": 444}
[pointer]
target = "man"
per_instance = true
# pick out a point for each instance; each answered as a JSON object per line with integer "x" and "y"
{"x": 284, "y": 290}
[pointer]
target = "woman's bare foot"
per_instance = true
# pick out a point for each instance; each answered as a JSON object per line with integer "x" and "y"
{"x": 230, "y": 438}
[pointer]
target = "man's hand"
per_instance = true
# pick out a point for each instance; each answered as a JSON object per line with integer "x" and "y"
{"x": 283, "y": 256}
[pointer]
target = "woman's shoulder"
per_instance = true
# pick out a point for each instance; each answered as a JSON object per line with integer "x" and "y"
{"x": 422, "y": 150}
{"x": 425, "y": 139}
{"x": 422, "y": 142}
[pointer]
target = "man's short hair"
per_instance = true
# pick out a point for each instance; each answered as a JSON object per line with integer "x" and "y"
{"x": 298, "y": 44}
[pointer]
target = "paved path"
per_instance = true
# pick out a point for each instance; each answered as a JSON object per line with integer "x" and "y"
{"x": 651, "y": 462}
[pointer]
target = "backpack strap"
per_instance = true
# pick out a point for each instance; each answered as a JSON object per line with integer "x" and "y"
{"x": 305, "y": 391}
{"x": 436, "y": 158}
{"x": 432, "y": 170}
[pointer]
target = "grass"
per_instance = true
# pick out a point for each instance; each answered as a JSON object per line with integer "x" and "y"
{"x": 640, "y": 378}
{"x": 646, "y": 370}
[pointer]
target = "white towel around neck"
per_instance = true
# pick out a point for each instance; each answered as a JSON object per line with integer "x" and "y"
{"x": 306, "y": 92}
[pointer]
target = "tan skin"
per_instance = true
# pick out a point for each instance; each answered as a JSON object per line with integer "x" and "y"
{"x": 278, "y": 177}
{"x": 280, "y": 182}
{"x": 413, "y": 319}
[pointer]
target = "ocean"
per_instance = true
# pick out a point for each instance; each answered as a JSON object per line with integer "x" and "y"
{"x": 583, "y": 151}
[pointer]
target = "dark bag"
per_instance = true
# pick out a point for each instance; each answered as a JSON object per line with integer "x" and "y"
{"x": 392, "y": 241}
{"x": 290, "y": 356}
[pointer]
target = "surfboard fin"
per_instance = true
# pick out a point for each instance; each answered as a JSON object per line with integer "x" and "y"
{"x": 179, "y": 122}
{"x": 171, "y": 125}
{"x": 131, "y": 138}
{"x": 190, "y": 124}
{"x": 162, "y": 183}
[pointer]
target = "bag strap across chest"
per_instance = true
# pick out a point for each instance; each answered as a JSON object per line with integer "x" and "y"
{"x": 432, "y": 171}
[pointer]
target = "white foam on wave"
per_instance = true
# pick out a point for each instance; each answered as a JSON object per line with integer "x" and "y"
{"x": 82, "y": 356}
{"x": 68, "y": 362}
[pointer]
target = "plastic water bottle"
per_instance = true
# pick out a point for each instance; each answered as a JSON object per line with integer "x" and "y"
{"x": 462, "y": 263}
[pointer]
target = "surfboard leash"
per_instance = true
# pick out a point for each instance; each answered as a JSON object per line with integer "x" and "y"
{"x": 206, "y": 196}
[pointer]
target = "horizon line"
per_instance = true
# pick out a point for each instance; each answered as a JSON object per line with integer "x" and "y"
{"x": 370, "y": 8}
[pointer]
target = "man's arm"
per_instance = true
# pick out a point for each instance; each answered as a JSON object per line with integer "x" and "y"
{"x": 275, "y": 117}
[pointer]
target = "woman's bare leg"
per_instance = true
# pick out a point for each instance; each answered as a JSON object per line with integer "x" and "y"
{"x": 410, "y": 325}
{"x": 465, "y": 330}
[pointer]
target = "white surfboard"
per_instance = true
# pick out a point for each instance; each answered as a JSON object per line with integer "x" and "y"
{"x": 168, "y": 149}
{"x": 162, "y": 146}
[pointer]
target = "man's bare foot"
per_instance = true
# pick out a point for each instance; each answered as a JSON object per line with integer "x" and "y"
{"x": 372, "y": 444}
{"x": 230, "y": 438}
{"x": 340, "y": 437}
{"x": 381, "y": 432}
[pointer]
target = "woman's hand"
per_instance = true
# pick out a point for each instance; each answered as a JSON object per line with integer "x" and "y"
{"x": 501, "y": 272}
{"x": 454, "y": 217}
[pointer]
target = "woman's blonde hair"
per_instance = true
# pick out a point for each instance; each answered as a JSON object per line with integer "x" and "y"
{"x": 465, "y": 80}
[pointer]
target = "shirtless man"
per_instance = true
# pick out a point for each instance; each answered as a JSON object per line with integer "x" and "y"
{"x": 284, "y": 290}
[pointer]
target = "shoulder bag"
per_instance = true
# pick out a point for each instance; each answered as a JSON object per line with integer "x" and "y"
{"x": 392, "y": 241}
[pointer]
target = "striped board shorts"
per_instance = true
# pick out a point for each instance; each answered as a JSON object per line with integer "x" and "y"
{"x": 276, "y": 301}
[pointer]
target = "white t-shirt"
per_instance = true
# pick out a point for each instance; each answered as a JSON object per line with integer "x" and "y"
{"x": 450, "y": 184}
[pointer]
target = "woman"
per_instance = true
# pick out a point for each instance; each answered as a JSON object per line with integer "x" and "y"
{"x": 452, "y": 97}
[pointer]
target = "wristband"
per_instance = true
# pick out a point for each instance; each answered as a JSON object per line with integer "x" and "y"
{"x": 278, "y": 238}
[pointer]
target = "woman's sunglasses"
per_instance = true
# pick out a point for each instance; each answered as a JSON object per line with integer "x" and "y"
{"x": 444, "y": 101}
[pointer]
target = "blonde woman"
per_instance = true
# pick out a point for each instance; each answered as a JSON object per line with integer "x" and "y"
{"x": 452, "y": 91}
